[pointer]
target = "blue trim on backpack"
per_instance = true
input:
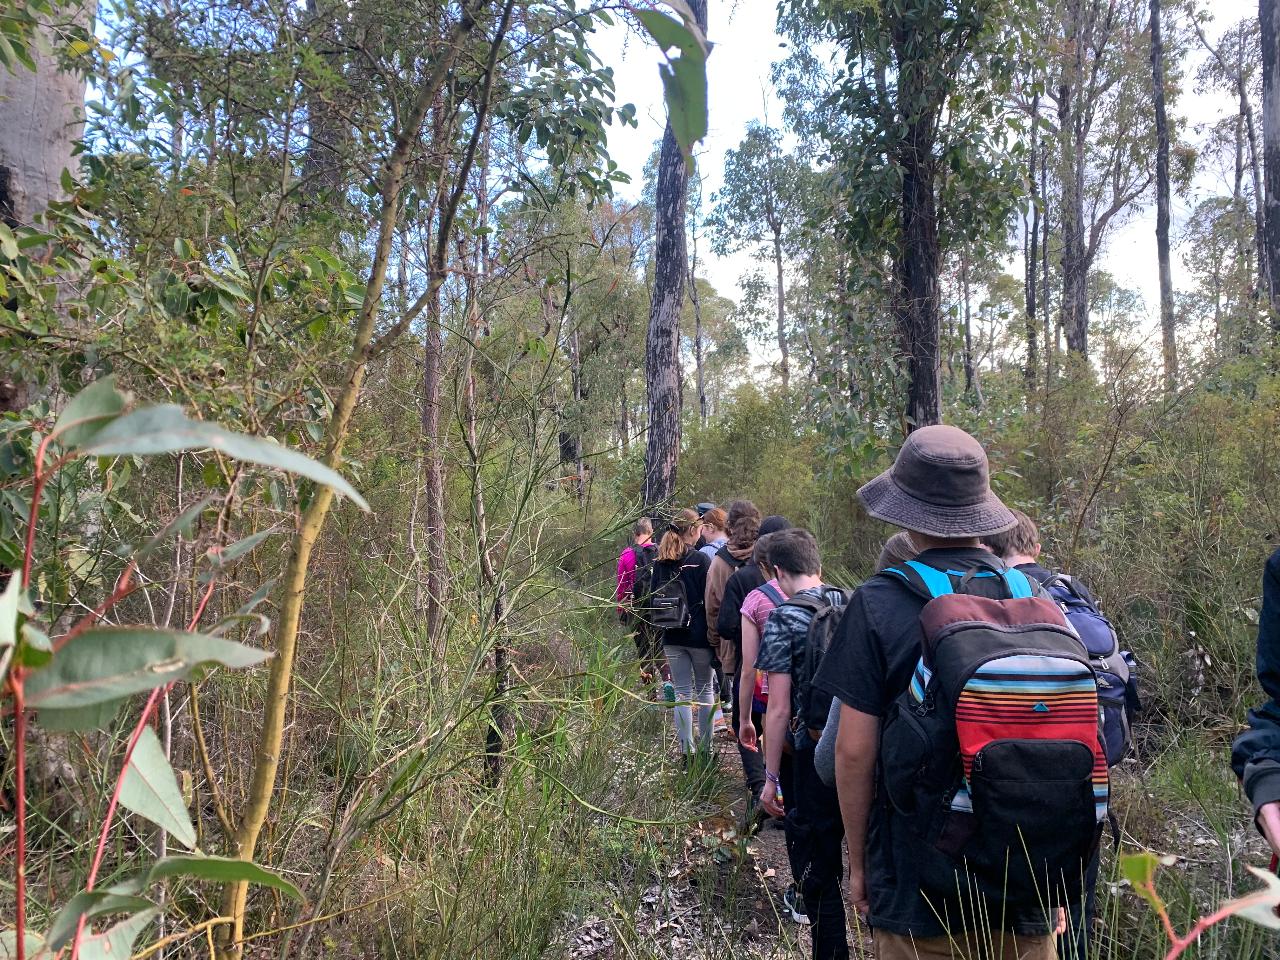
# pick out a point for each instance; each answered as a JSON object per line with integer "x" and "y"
{"x": 935, "y": 581}
{"x": 1019, "y": 585}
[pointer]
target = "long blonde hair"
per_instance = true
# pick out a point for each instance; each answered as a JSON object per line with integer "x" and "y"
{"x": 677, "y": 538}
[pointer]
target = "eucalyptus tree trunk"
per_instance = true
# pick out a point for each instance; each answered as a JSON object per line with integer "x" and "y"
{"x": 1168, "y": 341}
{"x": 663, "y": 391}
{"x": 918, "y": 309}
{"x": 1031, "y": 245}
{"x": 698, "y": 353}
{"x": 41, "y": 118}
{"x": 1269, "y": 18}
{"x": 784, "y": 365}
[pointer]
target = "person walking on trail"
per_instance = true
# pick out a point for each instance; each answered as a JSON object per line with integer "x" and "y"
{"x": 729, "y": 629}
{"x": 1019, "y": 548}
{"x": 714, "y": 532}
{"x": 743, "y": 521}
{"x": 676, "y": 608}
{"x": 1255, "y": 755}
{"x": 632, "y": 581}
{"x": 788, "y": 650}
{"x": 924, "y": 842}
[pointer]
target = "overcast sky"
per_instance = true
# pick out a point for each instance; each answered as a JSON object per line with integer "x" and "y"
{"x": 746, "y": 44}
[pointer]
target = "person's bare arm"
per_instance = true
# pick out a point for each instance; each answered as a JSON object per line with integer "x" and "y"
{"x": 747, "y": 683}
{"x": 776, "y": 721}
{"x": 857, "y": 745}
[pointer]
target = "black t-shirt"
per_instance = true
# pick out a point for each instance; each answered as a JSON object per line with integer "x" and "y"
{"x": 729, "y": 622}
{"x": 868, "y": 665}
{"x": 692, "y": 570}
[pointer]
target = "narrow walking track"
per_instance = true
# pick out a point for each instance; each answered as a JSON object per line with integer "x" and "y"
{"x": 717, "y": 895}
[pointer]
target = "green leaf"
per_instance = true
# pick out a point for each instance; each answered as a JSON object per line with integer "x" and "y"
{"x": 97, "y": 716}
{"x": 220, "y": 870}
{"x": 32, "y": 942}
{"x": 90, "y": 904}
{"x": 89, "y": 411}
{"x": 8, "y": 245}
{"x": 1140, "y": 870}
{"x": 9, "y": 610}
{"x": 181, "y": 525}
{"x": 166, "y": 429}
{"x": 150, "y": 790}
{"x": 34, "y": 649}
{"x": 109, "y": 663}
{"x": 235, "y": 551}
{"x": 684, "y": 79}
{"x": 117, "y": 942}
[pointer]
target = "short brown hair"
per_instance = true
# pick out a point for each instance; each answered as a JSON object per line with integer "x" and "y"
{"x": 1022, "y": 538}
{"x": 795, "y": 551}
{"x": 642, "y": 528}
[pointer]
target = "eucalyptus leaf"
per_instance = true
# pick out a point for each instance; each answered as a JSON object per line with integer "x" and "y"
{"x": 1260, "y": 906}
{"x": 235, "y": 551}
{"x": 117, "y": 942}
{"x": 181, "y": 525}
{"x": 88, "y": 412}
{"x": 9, "y": 610}
{"x": 166, "y": 429}
{"x": 97, "y": 716}
{"x": 220, "y": 870}
{"x": 150, "y": 790}
{"x": 108, "y": 663}
{"x": 33, "y": 944}
{"x": 89, "y": 904}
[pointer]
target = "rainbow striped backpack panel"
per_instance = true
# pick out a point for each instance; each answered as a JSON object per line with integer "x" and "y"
{"x": 993, "y": 752}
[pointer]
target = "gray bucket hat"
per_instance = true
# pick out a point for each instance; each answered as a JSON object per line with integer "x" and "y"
{"x": 939, "y": 485}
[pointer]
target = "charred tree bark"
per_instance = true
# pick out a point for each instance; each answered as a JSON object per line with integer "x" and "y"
{"x": 1168, "y": 340}
{"x": 1032, "y": 254}
{"x": 1269, "y": 18}
{"x": 918, "y": 309}
{"x": 662, "y": 340}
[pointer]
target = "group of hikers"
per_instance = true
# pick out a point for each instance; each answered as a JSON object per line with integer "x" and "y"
{"x": 943, "y": 733}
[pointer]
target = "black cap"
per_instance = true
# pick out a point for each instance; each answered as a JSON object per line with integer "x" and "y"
{"x": 704, "y": 508}
{"x": 773, "y": 524}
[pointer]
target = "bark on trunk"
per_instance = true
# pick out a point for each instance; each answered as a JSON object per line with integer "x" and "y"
{"x": 41, "y": 118}
{"x": 971, "y": 386}
{"x": 662, "y": 341}
{"x": 697, "y": 348}
{"x": 1032, "y": 255}
{"x": 918, "y": 309}
{"x": 1269, "y": 18}
{"x": 784, "y": 364}
{"x": 1169, "y": 342}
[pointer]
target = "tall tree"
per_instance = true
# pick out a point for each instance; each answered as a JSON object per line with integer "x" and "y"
{"x": 1168, "y": 340}
{"x": 1269, "y": 18}
{"x": 760, "y": 203}
{"x": 662, "y": 345}
{"x": 930, "y": 167}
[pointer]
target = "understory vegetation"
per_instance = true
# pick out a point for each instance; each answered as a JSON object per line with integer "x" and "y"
{"x": 329, "y": 394}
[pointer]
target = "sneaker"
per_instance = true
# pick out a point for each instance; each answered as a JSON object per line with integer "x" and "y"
{"x": 669, "y": 692}
{"x": 794, "y": 904}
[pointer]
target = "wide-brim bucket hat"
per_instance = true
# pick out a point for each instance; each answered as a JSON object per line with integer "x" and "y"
{"x": 939, "y": 485}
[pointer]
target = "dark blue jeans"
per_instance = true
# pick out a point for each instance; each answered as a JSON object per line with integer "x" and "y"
{"x": 814, "y": 831}
{"x": 752, "y": 760}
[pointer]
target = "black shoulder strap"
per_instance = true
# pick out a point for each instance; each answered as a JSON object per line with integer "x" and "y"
{"x": 773, "y": 593}
{"x": 724, "y": 554}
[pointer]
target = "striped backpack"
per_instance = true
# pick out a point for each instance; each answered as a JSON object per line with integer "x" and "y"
{"x": 992, "y": 754}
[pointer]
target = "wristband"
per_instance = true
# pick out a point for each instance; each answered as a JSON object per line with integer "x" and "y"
{"x": 772, "y": 778}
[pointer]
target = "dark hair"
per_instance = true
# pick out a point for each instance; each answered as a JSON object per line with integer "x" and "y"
{"x": 760, "y": 555}
{"x": 897, "y": 549}
{"x": 1020, "y": 539}
{"x": 794, "y": 551}
{"x": 743, "y": 524}
{"x": 674, "y": 544}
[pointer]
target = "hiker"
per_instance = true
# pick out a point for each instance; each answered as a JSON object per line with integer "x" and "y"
{"x": 676, "y": 608}
{"x": 633, "y": 571}
{"x": 1019, "y": 548}
{"x": 714, "y": 534}
{"x": 793, "y": 639}
{"x": 743, "y": 522}
{"x": 1255, "y": 755}
{"x": 703, "y": 509}
{"x": 897, "y": 549}
{"x": 729, "y": 629}
{"x": 935, "y": 879}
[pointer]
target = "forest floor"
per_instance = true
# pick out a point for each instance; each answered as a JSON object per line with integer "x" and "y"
{"x": 718, "y": 894}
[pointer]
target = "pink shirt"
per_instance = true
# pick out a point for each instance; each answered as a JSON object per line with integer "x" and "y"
{"x": 757, "y": 606}
{"x": 626, "y": 575}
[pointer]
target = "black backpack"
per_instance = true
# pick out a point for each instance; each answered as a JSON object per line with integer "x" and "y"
{"x": 812, "y": 706}
{"x": 992, "y": 754}
{"x": 733, "y": 562}
{"x": 667, "y": 608}
{"x": 644, "y": 556}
